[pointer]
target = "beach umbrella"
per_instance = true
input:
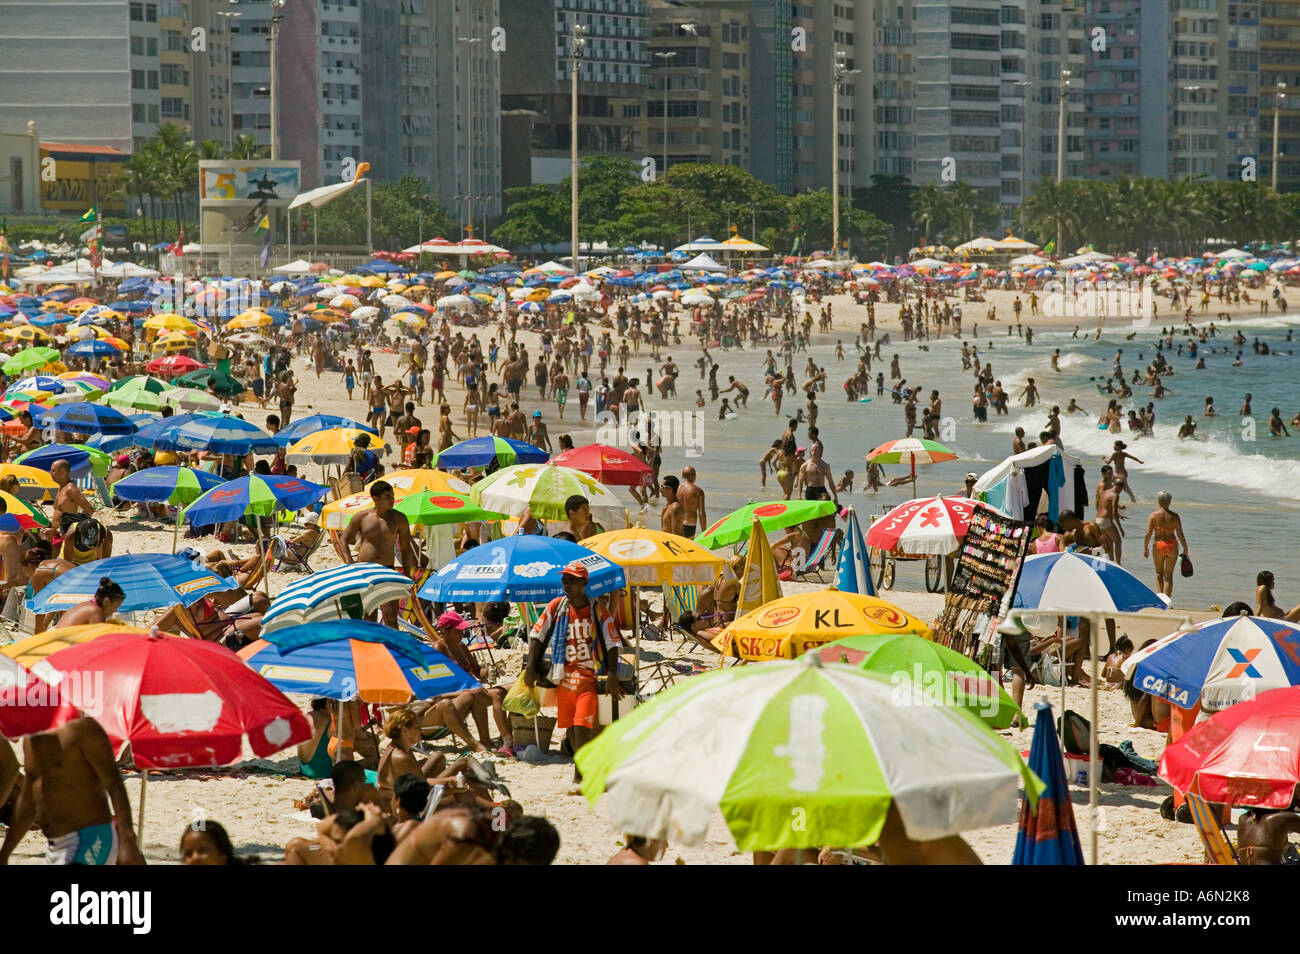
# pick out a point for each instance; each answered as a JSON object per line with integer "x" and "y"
{"x": 252, "y": 495}
{"x": 609, "y": 465}
{"x": 85, "y": 418}
{"x": 1048, "y": 834}
{"x": 29, "y": 704}
{"x": 191, "y": 399}
{"x": 425, "y": 509}
{"x": 524, "y": 568}
{"x": 822, "y": 743}
{"x": 792, "y": 625}
{"x": 82, "y": 459}
{"x": 95, "y": 348}
{"x": 772, "y": 515}
{"x": 349, "y": 659}
{"x": 412, "y": 481}
{"x": 173, "y": 365}
{"x": 910, "y": 451}
{"x": 150, "y": 581}
{"x": 139, "y": 382}
{"x": 929, "y": 525}
{"x": 333, "y": 446}
{"x": 251, "y": 320}
{"x": 937, "y": 675}
{"x": 30, "y": 359}
{"x": 169, "y": 322}
{"x": 248, "y": 339}
{"x": 39, "y": 382}
{"x": 94, "y": 380}
{"x": 1066, "y": 579}
{"x": 1248, "y": 754}
{"x": 853, "y": 572}
{"x": 481, "y": 451}
{"x": 216, "y": 433}
{"x": 21, "y": 515}
{"x": 353, "y": 591}
{"x": 170, "y": 485}
{"x": 1219, "y": 663}
{"x": 27, "y": 335}
{"x": 210, "y": 378}
{"x": 655, "y": 558}
{"x": 543, "y": 489}
{"x": 180, "y": 702}
{"x": 136, "y": 397}
{"x": 319, "y": 422}
{"x": 33, "y": 484}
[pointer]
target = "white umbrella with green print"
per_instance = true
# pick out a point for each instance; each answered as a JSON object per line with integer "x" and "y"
{"x": 801, "y": 754}
{"x": 542, "y": 489}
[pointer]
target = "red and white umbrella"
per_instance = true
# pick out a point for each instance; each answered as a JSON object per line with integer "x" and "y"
{"x": 610, "y": 465}
{"x": 29, "y": 704}
{"x": 927, "y": 525}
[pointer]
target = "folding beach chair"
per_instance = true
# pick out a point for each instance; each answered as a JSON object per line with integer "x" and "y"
{"x": 678, "y": 600}
{"x": 812, "y": 566}
{"x": 295, "y": 556}
{"x": 1218, "y": 847}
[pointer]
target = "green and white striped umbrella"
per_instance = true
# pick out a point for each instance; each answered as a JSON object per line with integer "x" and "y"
{"x": 543, "y": 489}
{"x": 190, "y": 399}
{"x": 801, "y": 754}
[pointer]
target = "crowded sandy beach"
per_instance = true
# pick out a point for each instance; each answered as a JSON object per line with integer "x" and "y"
{"x": 349, "y": 481}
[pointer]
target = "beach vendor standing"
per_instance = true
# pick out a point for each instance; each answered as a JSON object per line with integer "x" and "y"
{"x": 572, "y": 643}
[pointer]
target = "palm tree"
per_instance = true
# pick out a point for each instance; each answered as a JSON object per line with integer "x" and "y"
{"x": 929, "y": 206}
{"x": 246, "y": 147}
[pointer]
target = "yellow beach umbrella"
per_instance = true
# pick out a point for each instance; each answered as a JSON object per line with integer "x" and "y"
{"x": 444, "y": 276}
{"x": 654, "y": 558}
{"x": 33, "y": 483}
{"x": 413, "y": 481}
{"x": 32, "y": 650}
{"x": 27, "y": 334}
{"x": 337, "y": 514}
{"x": 250, "y": 320}
{"x": 371, "y": 281}
{"x": 332, "y": 446}
{"x": 408, "y": 318}
{"x": 170, "y": 322}
{"x": 789, "y": 627}
{"x": 77, "y": 307}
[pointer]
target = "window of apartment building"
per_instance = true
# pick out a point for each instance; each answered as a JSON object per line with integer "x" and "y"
{"x": 174, "y": 9}
{"x": 174, "y": 107}
{"x": 137, "y": 79}
{"x": 152, "y": 78}
{"x": 971, "y": 16}
{"x": 962, "y": 66}
{"x": 175, "y": 75}
{"x": 137, "y": 112}
{"x": 137, "y": 12}
{"x": 137, "y": 46}
{"x": 174, "y": 42}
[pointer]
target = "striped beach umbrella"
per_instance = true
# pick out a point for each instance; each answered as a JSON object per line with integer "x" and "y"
{"x": 351, "y": 659}
{"x": 190, "y": 399}
{"x": 543, "y": 490}
{"x": 481, "y": 451}
{"x": 352, "y": 591}
{"x": 825, "y": 743}
{"x": 853, "y": 572}
{"x": 319, "y": 422}
{"x": 216, "y": 433}
{"x": 910, "y": 451}
{"x": 1048, "y": 834}
{"x": 170, "y": 485}
{"x": 85, "y": 418}
{"x": 252, "y": 495}
{"x": 1072, "y": 581}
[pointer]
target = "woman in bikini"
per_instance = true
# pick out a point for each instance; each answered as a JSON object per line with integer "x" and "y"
{"x": 470, "y": 407}
{"x": 100, "y": 608}
{"x": 1266, "y": 605}
{"x": 1167, "y": 528}
{"x": 402, "y": 729}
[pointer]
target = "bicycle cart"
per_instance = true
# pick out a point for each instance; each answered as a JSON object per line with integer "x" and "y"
{"x": 928, "y": 529}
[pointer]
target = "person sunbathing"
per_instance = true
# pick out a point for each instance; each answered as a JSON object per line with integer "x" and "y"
{"x": 460, "y": 836}
{"x": 1075, "y": 652}
{"x": 88, "y": 540}
{"x": 796, "y": 538}
{"x": 100, "y": 608}
{"x": 410, "y": 798}
{"x": 450, "y": 629}
{"x": 402, "y": 730}
{"x": 1263, "y": 835}
{"x": 230, "y": 617}
{"x": 1111, "y": 670}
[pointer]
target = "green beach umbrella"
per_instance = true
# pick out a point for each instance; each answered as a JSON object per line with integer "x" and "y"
{"x": 938, "y": 674}
{"x": 190, "y": 399}
{"x": 427, "y": 509}
{"x": 140, "y": 382}
{"x": 222, "y": 384}
{"x": 542, "y": 489}
{"x": 138, "y": 396}
{"x": 800, "y": 754}
{"x": 773, "y": 515}
{"x": 29, "y": 359}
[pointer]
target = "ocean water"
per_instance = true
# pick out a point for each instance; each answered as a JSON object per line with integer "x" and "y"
{"x": 1237, "y": 490}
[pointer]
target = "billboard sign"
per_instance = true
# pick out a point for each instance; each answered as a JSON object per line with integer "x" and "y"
{"x": 229, "y": 183}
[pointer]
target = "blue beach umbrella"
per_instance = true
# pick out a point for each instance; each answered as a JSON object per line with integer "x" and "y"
{"x": 854, "y": 572}
{"x": 519, "y": 569}
{"x": 150, "y": 581}
{"x": 1074, "y": 581}
{"x": 352, "y": 590}
{"x": 1048, "y": 834}
{"x": 346, "y": 659}
{"x": 254, "y": 495}
{"x": 86, "y": 418}
{"x": 94, "y": 348}
{"x": 481, "y": 451}
{"x": 170, "y": 485}
{"x": 217, "y": 434}
{"x": 318, "y": 422}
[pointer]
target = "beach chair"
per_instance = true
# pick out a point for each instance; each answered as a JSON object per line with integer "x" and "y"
{"x": 295, "y": 556}
{"x": 1218, "y": 847}
{"x": 812, "y": 566}
{"x": 679, "y": 600}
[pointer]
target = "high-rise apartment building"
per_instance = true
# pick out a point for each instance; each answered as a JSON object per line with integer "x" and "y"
{"x": 1279, "y": 63}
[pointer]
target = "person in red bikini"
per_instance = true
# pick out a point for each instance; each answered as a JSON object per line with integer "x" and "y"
{"x": 1167, "y": 527}
{"x": 589, "y": 641}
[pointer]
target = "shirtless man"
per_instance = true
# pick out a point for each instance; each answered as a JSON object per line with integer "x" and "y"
{"x": 815, "y": 477}
{"x": 69, "y": 501}
{"x": 1167, "y": 528}
{"x": 691, "y": 497}
{"x": 1074, "y": 532}
{"x": 381, "y": 531}
{"x": 285, "y": 390}
{"x": 671, "y": 518}
{"x": 1262, "y": 835}
{"x": 73, "y": 792}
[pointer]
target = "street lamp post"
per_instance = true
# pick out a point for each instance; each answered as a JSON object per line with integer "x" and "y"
{"x": 666, "y": 57}
{"x": 578, "y": 45}
{"x": 1279, "y": 99}
{"x": 1023, "y": 85}
{"x": 469, "y": 41}
{"x": 227, "y": 16}
{"x": 1060, "y": 150}
{"x": 1184, "y": 89}
{"x": 276, "y": 19}
{"x": 839, "y": 71}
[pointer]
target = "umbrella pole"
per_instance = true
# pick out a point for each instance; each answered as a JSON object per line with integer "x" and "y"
{"x": 176, "y": 531}
{"x": 1094, "y": 622}
{"x": 139, "y": 825}
{"x": 338, "y": 751}
{"x": 1060, "y": 622}
{"x": 266, "y": 561}
{"x": 636, "y": 639}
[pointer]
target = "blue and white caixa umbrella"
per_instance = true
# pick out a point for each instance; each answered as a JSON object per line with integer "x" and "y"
{"x": 1074, "y": 581}
{"x": 519, "y": 569}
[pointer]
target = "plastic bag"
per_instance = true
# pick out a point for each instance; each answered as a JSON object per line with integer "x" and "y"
{"x": 523, "y": 699}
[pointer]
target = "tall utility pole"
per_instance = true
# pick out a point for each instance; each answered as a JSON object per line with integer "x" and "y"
{"x": 227, "y": 17}
{"x": 276, "y": 19}
{"x": 1060, "y": 151}
{"x": 1279, "y": 100}
{"x": 469, "y": 42}
{"x": 1023, "y": 86}
{"x": 578, "y": 45}
{"x": 666, "y": 57}
{"x": 839, "y": 70}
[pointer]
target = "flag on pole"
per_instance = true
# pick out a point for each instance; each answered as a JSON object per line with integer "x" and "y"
{"x": 853, "y": 575}
{"x": 177, "y": 248}
{"x": 90, "y": 215}
{"x": 1049, "y": 247}
{"x": 4, "y": 251}
{"x": 266, "y": 249}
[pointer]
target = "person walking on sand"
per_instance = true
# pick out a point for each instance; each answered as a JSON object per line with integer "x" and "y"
{"x": 692, "y": 501}
{"x": 1167, "y": 528}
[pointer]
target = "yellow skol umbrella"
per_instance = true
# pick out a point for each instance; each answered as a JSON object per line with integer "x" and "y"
{"x": 337, "y": 514}
{"x": 170, "y": 322}
{"x": 655, "y": 558}
{"x": 413, "y": 481}
{"x": 28, "y": 652}
{"x": 27, "y": 334}
{"x": 33, "y": 483}
{"x": 173, "y": 342}
{"x": 789, "y": 627}
{"x": 250, "y": 320}
{"x": 332, "y": 446}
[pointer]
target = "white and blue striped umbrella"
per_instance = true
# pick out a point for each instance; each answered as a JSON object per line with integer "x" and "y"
{"x": 1073, "y": 581}
{"x": 854, "y": 572}
{"x": 519, "y": 569}
{"x": 1220, "y": 663}
{"x": 350, "y": 591}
